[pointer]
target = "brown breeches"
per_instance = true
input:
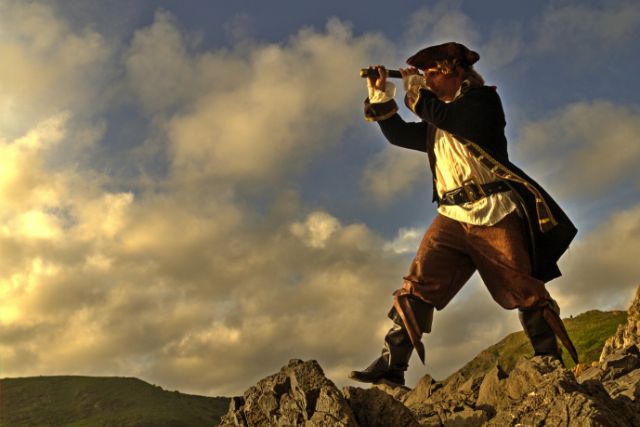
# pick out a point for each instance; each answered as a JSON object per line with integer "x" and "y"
{"x": 451, "y": 251}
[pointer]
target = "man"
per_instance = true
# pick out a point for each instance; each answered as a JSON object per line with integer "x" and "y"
{"x": 491, "y": 216}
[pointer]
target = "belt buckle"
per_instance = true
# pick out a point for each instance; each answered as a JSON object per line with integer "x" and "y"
{"x": 473, "y": 190}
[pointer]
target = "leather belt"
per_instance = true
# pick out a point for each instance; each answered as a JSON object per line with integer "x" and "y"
{"x": 472, "y": 192}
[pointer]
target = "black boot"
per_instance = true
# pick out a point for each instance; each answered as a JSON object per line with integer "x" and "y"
{"x": 393, "y": 361}
{"x": 542, "y": 337}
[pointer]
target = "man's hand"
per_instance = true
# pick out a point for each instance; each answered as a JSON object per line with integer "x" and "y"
{"x": 381, "y": 82}
{"x": 407, "y": 74}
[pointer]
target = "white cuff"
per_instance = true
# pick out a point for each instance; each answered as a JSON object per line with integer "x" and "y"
{"x": 414, "y": 80}
{"x": 376, "y": 96}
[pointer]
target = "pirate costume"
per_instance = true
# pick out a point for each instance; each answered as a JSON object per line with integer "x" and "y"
{"x": 492, "y": 217}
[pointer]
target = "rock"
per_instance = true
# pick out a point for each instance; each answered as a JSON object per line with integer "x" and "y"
{"x": 465, "y": 417}
{"x": 298, "y": 395}
{"x": 592, "y": 373}
{"x": 492, "y": 388}
{"x": 540, "y": 391}
{"x": 375, "y": 408}
{"x": 627, "y": 385}
{"x": 448, "y": 403}
{"x": 394, "y": 390}
{"x": 627, "y": 335}
{"x": 621, "y": 363}
{"x": 425, "y": 387}
{"x": 530, "y": 374}
{"x": 449, "y": 413}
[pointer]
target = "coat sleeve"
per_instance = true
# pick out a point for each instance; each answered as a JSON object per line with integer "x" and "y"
{"x": 394, "y": 128}
{"x": 409, "y": 135}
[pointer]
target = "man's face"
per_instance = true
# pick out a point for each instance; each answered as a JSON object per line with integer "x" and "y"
{"x": 444, "y": 86}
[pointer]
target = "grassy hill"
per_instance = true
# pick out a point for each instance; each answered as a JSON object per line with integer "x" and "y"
{"x": 588, "y": 331}
{"x": 94, "y": 401}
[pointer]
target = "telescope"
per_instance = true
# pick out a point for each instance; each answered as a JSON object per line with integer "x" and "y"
{"x": 373, "y": 73}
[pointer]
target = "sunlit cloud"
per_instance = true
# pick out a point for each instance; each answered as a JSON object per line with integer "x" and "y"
{"x": 46, "y": 68}
{"x": 568, "y": 147}
{"x": 394, "y": 172}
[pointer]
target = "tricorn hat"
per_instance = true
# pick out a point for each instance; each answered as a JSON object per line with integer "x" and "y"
{"x": 431, "y": 56}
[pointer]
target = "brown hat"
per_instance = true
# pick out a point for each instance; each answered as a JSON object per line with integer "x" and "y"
{"x": 432, "y": 56}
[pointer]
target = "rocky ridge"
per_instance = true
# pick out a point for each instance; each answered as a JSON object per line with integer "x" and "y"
{"x": 626, "y": 335}
{"x": 538, "y": 391}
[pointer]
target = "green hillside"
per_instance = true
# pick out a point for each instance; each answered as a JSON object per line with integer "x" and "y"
{"x": 93, "y": 401}
{"x": 588, "y": 331}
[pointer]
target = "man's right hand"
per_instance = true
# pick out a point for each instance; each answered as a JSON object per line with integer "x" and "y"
{"x": 379, "y": 83}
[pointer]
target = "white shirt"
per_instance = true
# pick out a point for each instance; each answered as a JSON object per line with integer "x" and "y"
{"x": 454, "y": 166}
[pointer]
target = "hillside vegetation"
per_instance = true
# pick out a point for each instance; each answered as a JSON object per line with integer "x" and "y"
{"x": 76, "y": 401}
{"x": 588, "y": 331}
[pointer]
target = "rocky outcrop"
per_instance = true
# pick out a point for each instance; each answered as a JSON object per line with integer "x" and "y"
{"x": 298, "y": 395}
{"x": 375, "y": 408}
{"x": 537, "y": 391}
{"x": 627, "y": 335}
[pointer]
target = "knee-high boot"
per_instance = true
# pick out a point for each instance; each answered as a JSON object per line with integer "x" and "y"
{"x": 542, "y": 337}
{"x": 394, "y": 360}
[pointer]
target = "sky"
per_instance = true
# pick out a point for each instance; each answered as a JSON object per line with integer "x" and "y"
{"x": 190, "y": 195}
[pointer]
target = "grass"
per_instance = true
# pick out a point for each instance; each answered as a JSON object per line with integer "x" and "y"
{"x": 76, "y": 401}
{"x": 588, "y": 332}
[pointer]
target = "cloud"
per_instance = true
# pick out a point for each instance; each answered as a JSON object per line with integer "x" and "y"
{"x": 46, "y": 68}
{"x": 441, "y": 23}
{"x": 160, "y": 70}
{"x": 316, "y": 230}
{"x": 407, "y": 241}
{"x": 601, "y": 269}
{"x": 568, "y": 26}
{"x": 23, "y": 183}
{"x": 291, "y": 102}
{"x": 503, "y": 46}
{"x": 181, "y": 281}
{"x": 584, "y": 30}
{"x": 584, "y": 149}
{"x": 394, "y": 172}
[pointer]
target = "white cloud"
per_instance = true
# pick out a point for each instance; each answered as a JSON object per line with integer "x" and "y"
{"x": 160, "y": 70}
{"x": 441, "y": 23}
{"x": 584, "y": 149}
{"x": 23, "y": 182}
{"x": 46, "y": 68}
{"x": 407, "y": 241}
{"x": 316, "y": 230}
{"x": 601, "y": 269}
{"x": 179, "y": 281}
{"x": 567, "y": 26}
{"x": 395, "y": 172}
{"x": 292, "y": 101}
{"x": 503, "y": 46}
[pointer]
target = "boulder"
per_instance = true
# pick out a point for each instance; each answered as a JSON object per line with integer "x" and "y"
{"x": 298, "y": 395}
{"x": 376, "y": 408}
{"x": 539, "y": 391}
